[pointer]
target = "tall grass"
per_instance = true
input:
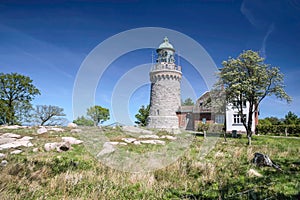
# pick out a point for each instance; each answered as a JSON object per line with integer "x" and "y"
{"x": 222, "y": 174}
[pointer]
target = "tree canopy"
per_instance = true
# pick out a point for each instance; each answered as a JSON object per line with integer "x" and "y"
{"x": 16, "y": 94}
{"x": 48, "y": 114}
{"x": 291, "y": 119}
{"x": 248, "y": 78}
{"x": 82, "y": 121}
{"x": 188, "y": 102}
{"x": 98, "y": 114}
{"x": 142, "y": 115}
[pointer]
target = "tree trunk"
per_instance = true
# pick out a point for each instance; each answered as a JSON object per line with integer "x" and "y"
{"x": 249, "y": 136}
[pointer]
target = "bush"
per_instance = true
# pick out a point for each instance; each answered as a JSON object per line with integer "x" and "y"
{"x": 293, "y": 130}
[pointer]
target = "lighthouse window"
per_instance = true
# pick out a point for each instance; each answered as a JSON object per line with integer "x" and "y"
{"x": 157, "y": 112}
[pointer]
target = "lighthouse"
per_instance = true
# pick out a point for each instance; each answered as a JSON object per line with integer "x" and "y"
{"x": 165, "y": 100}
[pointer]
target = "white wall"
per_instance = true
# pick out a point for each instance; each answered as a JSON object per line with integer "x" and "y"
{"x": 230, "y": 125}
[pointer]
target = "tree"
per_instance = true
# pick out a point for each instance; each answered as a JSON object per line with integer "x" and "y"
{"x": 142, "y": 115}
{"x": 188, "y": 102}
{"x": 48, "y": 113}
{"x": 274, "y": 120}
{"x": 82, "y": 121}
{"x": 16, "y": 91}
{"x": 98, "y": 114}
{"x": 291, "y": 119}
{"x": 248, "y": 78}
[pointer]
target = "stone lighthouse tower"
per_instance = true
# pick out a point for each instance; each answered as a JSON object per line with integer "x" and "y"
{"x": 165, "y": 98}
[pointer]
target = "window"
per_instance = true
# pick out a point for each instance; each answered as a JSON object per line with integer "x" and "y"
{"x": 237, "y": 118}
{"x": 220, "y": 119}
{"x": 157, "y": 112}
{"x": 235, "y": 103}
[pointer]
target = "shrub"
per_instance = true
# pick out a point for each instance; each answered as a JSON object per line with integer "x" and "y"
{"x": 293, "y": 130}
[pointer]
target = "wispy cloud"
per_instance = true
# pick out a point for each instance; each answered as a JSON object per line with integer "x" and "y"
{"x": 264, "y": 44}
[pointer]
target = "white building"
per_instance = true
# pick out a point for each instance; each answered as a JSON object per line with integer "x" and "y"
{"x": 234, "y": 121}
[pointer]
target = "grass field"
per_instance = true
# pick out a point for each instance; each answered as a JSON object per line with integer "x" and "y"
{"x": 222, "y": 174}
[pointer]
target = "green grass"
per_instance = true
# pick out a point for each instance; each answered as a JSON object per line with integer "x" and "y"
{"x": 222, "y": 174}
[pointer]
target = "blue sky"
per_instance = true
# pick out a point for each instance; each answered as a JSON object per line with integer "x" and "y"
{"x": 49, "y": 40}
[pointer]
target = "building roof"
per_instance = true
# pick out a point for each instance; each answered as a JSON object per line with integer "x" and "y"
{"x": 166, "y": 45}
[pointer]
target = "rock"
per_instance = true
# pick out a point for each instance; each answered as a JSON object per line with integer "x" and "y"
{"x": 27, "y": 138}
{"x": 35, "y": 150}
{"x": 136, "y": 130}
{"x": 3, "y": 163}
{"x": 15, "y": 144}
{"x": 262, "y": 160}
{"x": 72, "y": 125}
{"x": 51, "y": 146}
{"x": 149, "y": 136}
{"x": 10, "y": 135}
{"x": 42, "y": 130}
{"x": 252, "y": 173}
{"x": 107, "y": 148}
{"x": 64, "y": 146}
{"x": 6, "y": 140}
{"x": 11, "y": 127}
{"x": 169, "y": 137}
{"x": 71, "y": 140}
{"x": 153, "y": 142}
{"x": 2, "y": 155}
{"x": 129, "y": 140}
{"x": 76, "y": 130}
{"x": 56, "y": 129}
{"x": 137, "y": 142}
{"x": 16, "y": 151}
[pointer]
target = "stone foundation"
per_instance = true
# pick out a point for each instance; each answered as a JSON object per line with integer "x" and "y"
{"x": 163, "y": 122}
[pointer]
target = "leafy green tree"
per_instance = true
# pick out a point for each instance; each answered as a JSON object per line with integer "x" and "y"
{"x": 82, "y": 121}
{"x": 48, "y": 113}
{"x": 188, "y": 102}
{"x": 98, "y": 114}
{"x": 274, "y": 120}
{"x": 291, "y": 119}
{"x": 142, "y": 115}
{"x": 16, "y": 92}
{"x": 248, "y": 78}
{"x": 265, "y": 122}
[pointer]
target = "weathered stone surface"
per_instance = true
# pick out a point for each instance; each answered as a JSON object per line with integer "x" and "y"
{"x": 253, "y": 173}
{"x": 3, "y": 163}
{"x": 56, "y": 129}
{"x": 15, "y": 144}
{"x": 153, "y": 142}
{"x": 72, "y": 125}
{"x": 129, "y": 140}
{"x": 11, "y": 127}
{"x": 51, "y": 146}
{"x": 10, "y": 135}
{"x": 263, "y": 160}
{"x": 27, "y": 138}
{"x": 169, "y": 137}
{"x": 149, "y": 137}
{"x": 76, "y": 130}
{"x": 16, "y": 151}
{"x": 71, "y": 140}
{"x": 64, "y": 146}
{"x": 137, "y": 142}
{"x": 133, "y": 129}
{"x": 2, "y": 155}
{"x": 6, "y": 140}
{"x": 118, "y": 143}
{"x": 42, "y": 130}
{"x": 164, "y": 98}
{"x": 107, "y": 148}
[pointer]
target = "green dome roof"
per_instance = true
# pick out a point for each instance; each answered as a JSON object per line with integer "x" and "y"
{"x": 166, "y": 44}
